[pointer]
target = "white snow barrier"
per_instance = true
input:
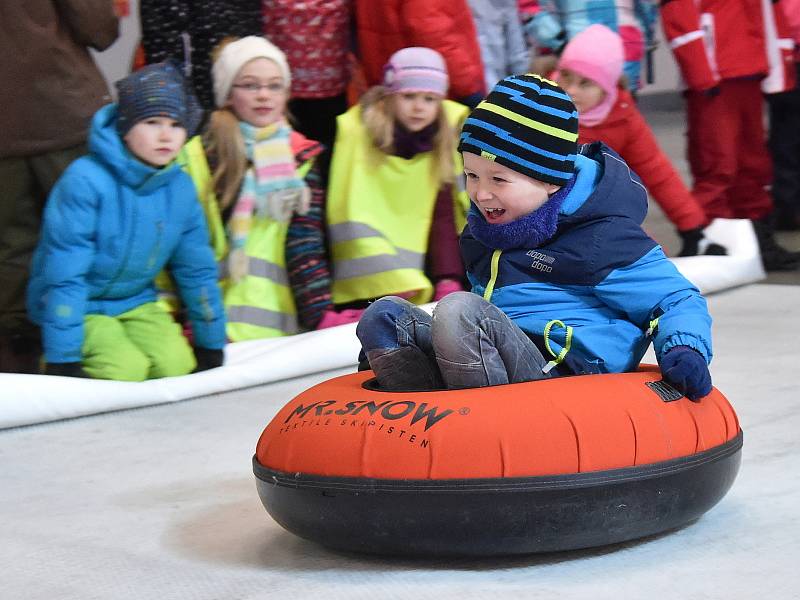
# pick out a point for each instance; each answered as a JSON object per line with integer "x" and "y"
{"x": 741, "y": 266}
{"x": 29, "y": 399}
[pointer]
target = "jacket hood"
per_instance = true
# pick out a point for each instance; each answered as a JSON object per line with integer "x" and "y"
{"x": 107, "y": 147}
{"x": 617, "y": 191}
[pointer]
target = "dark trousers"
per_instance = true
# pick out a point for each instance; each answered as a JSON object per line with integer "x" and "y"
{"x": 727, "y": 150}
{"x": 315, "y": 118}
{"x": 784, "y": 146}
{"x": 25, "y": 183}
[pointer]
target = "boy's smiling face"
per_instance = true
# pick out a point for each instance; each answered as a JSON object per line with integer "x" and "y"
{"x": 502, "y": 194}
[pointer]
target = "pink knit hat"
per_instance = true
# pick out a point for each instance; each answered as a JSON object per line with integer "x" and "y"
{"x": 596, "y": 53}
{"x": 416, "y": 69}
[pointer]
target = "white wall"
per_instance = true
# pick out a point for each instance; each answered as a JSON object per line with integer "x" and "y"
{"x": 115, "y": 62}
{"x": 667, "y": 76}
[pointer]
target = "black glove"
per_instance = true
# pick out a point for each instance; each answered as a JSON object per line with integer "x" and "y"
{"x": 208, "y": 359}
{"x": 70, "y": 369}
{"x": 686, "y": 370}
{"x": 694, "y": 243}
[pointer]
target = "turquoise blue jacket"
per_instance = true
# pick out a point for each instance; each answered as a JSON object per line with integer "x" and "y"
{"x": 111, "y": 224}
{"x": 607, "y": 283}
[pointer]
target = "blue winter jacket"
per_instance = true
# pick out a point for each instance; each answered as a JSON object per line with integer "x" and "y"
{"x": 600, "y": 274}
{"x": 111, "y": 224}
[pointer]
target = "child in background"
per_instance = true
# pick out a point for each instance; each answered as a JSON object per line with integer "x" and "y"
{"x": 722, "y": 49}
{"x": 113, "y": 221}
{"x": 558, "y": 21}
{"x": 263, "y": 196}
{"x": 564, "y": 280}
{"x": 394, "y": 205}
{"x": 589, "y": 70}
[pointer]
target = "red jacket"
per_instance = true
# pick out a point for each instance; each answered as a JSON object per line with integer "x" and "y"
{"x": 385, "y": 26}
{"x": 719, "y": 39}
{"x": 315, "y": 36}
{"x": 626, "y": 131}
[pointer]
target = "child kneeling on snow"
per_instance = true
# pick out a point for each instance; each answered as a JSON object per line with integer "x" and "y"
{"x": 564, "y": 279}
{"x": 113, "y": 221}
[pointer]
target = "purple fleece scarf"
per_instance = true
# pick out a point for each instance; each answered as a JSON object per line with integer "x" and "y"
{"x": 410, "y": 143}
{"x": 529, "y": 231}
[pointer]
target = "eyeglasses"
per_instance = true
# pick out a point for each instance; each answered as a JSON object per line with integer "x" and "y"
{"x": 253, "y": 88}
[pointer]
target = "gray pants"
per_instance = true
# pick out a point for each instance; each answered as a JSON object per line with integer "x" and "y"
{"x": 468, "y": 342}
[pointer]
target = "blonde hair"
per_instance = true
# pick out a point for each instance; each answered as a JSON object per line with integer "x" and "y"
{"x": 223, "y": 141}
{"x": 378, "y": 115}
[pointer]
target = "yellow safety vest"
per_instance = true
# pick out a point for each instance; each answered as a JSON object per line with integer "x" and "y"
{"x": 261, "y": 304}
{"x": 379, "y": 213}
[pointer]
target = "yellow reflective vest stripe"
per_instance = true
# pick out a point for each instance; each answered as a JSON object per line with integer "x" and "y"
{"x": 379, "y": 213}
{"x": 260, "y": 304}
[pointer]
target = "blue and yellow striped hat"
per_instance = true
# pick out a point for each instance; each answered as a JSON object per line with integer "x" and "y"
{"x": 526, "y": 123}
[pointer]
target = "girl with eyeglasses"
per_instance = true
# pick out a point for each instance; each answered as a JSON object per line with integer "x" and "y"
{"x": 260, "y": 184}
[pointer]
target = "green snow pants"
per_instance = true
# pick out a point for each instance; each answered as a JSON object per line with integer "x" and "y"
{"x": 143, "y": 343}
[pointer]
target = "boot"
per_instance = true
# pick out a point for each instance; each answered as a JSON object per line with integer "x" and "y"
{"x": 773, "y": 256}
{"x": 19, "y": 354}
{"x": 694, "y": 243}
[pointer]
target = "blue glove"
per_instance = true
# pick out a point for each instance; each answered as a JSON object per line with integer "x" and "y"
{"x": 686, "y": 370}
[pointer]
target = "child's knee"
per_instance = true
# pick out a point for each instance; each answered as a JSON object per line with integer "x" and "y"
{"x": 456, "y": 308}
{"x": 377, "y": 327}
{"x": 126, "y": 364}
{"x": 179, "y": 360}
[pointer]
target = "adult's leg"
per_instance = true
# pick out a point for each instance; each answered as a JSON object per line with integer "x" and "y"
{"x": 156, "y": 334}
{"x": 25, "y": 183}
{"x": 711, "y": 148}
{"x": 476, "y": 344}
{"x": 396, "y": 337}
{"x": 749, "y": 197}
{"x": 784, "y": 146}
{"x": 20, "y": 215}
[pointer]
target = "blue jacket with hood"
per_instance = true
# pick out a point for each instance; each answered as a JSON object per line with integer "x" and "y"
{"x": 600, "y": 275}
{"x": 111, "y": 224}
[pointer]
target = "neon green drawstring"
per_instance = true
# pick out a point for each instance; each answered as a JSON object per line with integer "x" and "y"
{"x": 652, "y": 328}
{"x": 487, "y": 293}
{"x": 557, "y": 358}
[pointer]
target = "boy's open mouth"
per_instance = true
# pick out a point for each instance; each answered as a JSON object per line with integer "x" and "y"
{"x": 494, "y": 214}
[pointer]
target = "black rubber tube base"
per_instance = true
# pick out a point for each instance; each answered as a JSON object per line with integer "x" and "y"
{"x": 504, "y": 516}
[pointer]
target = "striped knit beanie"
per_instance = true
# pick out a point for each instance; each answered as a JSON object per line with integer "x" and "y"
{"x": 528, "y": 124}
{"x": 157, "y": 90}
{"x": 416, "y": 69}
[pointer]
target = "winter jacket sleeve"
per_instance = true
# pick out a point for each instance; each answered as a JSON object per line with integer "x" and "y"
{"x": 444, "y": 256}
{"x": 67, "y": 253}
{"x": 643, "y": 154}
{"x": 651, "y": 288}
{"x": 683, "y": 28}
{"x": 546, "y": 28}
{"x": 195, "y": 273}
{"x": 448, "y": 28}
{"x": 93, "y": 23}
{"x": 306, "y": 255}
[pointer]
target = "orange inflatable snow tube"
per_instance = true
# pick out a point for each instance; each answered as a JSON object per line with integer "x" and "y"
{"x": 344, "y": 450}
